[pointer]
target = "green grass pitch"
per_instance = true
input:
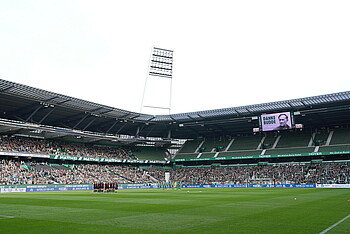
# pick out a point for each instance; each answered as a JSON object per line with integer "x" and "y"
{"x": 235, "y": 210}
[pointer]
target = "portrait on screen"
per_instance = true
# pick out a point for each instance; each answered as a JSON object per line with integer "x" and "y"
{"x": 276, "y": 121}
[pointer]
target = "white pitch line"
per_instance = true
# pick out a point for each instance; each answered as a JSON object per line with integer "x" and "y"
{"x": 326, "y": 230}
{"x": 6, "y": 217}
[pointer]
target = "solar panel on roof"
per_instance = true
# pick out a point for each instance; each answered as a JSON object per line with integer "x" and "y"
{"x": 296, "y": 104}
{"x": 194, "y": 116}
{"x": 242, "y": 111}
{"x": 162, "y": 118}
{"x": 179, "y": 117}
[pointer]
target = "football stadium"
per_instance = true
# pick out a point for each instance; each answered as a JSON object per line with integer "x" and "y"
{"x": 69, "y": 165}
{"x": 246, "y": 129}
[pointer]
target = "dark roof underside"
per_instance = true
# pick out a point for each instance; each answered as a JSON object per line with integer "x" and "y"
{"x": 27, "y": 104}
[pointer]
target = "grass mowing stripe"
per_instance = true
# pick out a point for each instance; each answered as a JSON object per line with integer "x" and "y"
{"x": 334, "y": 225}
{"x": 160, "y": 221}
{"x": 152, "y": 211}
{"x": 6, "y": 217}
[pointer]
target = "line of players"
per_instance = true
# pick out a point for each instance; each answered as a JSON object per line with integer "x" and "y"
{"x": 106, "y": 187}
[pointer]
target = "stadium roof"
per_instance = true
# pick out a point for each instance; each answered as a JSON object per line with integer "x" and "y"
{"x": 24, "y": 104}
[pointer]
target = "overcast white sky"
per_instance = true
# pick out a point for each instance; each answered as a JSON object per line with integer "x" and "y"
{"x": 226, "y": 53}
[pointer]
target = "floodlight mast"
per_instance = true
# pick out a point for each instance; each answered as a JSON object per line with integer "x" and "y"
{"x": 160, "y": 65}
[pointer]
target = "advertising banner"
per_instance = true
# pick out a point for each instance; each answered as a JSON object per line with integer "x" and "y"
{"x": 137, "y": 187}
{"x": 44, "y": 188}
{"x": 252, "y": 186}
{"x": 90, "y": 159}
{"x": 12, "y": 190}
{"x": 333, "y": 186}
{"x": 18, "y": 154}
{"x": 262, "y": 156}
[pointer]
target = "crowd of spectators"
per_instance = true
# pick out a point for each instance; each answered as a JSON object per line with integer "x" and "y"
{"x": 31, "y": 172}
{"x": 278, "y": 174}
{"x": 19, "y": 172}
{"x": 41, "y": 146}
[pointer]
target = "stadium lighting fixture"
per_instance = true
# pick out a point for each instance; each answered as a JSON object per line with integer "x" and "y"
{"x": 160, "y": 65}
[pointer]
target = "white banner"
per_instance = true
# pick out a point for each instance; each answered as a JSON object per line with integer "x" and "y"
{"x": 24, "y": 154}
{"x": 333, "y": 186}
{"x": 12, "y": 190}
{"x": 167, "y": 177}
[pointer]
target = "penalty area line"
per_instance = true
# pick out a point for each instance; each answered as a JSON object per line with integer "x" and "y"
{"x": 326, "y": 230}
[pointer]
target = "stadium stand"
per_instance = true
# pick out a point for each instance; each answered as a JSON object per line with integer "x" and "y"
{"x": 269, "y": 140}
{"x": 41, "y": 146}
{"x": 190, "y": 149}
{"x": 292, "y": 142}
{"x": 291, "y": 150}
{"x": 49, "y": 138}
{"x": 15, "y": 172}
{"x": 294, "y": 139}
{"x": 148, "y": 153}
{"x": 190, "y": 146}
{"x": 289, "y": 142}
{"x": 188, "y": 155}
{"x": 245, "y": 143}
{"x": 338, "y": 140}
{"x": 334, "y": 148}
{"x": 341, "y": 136}
{"x": 292, "y": 173}
{"x": 207, "y": 155}
{"x": 213, "y": 145}
{"x": 320, "y": 137}
{"x": 240, "y": 153}
{"x": 40, "y": 173}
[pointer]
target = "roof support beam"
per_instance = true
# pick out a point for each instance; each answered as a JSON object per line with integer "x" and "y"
{"x": 25, "y": 109}
{"x": 169, "y": 133}
{"x": 68, "y": 119}
{"x": 85, "y": 116}
{"x": 137, "y": 131}
{"x": 140, "y": 128}
{"x": 19, "y": 118}
{"x": 121, "y": 127}
{"x": 33, "y": 113}
{"x": 48, "y": 113}
{"x": 110, "y": 128}
{"x": 93, "y": 120}
{"x": 149, "y": 132}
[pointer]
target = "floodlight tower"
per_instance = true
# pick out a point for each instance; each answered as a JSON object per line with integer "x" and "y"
{"x": 157, "y": 91}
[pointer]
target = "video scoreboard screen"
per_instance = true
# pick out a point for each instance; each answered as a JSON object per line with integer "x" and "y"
{"x": 276, "y": 121}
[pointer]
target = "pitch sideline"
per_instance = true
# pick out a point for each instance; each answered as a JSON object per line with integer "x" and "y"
{"x": 326, "y": 230}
